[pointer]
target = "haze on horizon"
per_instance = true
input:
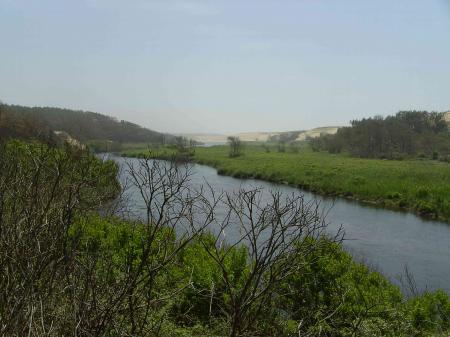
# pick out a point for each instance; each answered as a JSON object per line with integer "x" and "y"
{"x": 227, "y": 66}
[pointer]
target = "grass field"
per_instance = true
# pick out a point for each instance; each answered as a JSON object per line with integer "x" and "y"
{"x": 420, "y": 186}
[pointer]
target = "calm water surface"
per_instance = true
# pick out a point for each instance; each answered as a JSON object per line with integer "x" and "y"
{"x": 384, "y": 239}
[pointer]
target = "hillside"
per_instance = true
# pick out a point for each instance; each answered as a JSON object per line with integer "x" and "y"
{"x": 31, "y": 122}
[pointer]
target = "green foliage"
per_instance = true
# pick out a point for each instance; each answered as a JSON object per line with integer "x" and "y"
{"x": 430, "y": 311}
{"x": 235, "y": 146}
{"x": 41, "y": 190}
{"x": 38, "y": 122}
{"x": 407, "y": 134}
{"x": 333, "y": 295}
{"x": 72, "y": 163}
{"x": 336, "y": 294}
{"x": 417, "y": 185}
{"x": 205, "y": 298}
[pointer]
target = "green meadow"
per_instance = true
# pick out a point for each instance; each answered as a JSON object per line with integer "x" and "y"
{"x": 419, "y": 186}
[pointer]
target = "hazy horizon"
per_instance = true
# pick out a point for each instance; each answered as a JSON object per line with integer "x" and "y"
{"x": 227, "y": 66}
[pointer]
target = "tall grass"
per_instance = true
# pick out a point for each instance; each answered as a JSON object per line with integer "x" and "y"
{"x": 420, "y": 186}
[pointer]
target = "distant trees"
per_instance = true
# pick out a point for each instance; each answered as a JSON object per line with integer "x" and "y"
{"x": 81, "y": 125}
{"x": 285, "y": 137}
{"x": 281, "y": 146}
{"x": 185, "y": 146}
{"x": 235, "y": 146}
{"x": 407, "y": 134}
{"x": 14, "y": 125}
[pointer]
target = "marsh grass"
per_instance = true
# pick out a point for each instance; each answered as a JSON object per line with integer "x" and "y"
{"x": 419, "y": 186}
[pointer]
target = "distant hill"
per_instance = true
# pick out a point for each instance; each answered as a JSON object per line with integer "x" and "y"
{"x": 27, "y": 122}
{"x": 262, "y": 136}
{"x": 302, "y": 135}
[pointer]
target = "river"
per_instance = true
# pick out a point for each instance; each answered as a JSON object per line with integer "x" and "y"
{"x": 386, "y": 240}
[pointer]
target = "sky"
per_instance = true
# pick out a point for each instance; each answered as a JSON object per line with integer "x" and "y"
{"x": 227, "y": 66}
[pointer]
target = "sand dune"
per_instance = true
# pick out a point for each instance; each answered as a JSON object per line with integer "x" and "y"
{"x": 313, "y": 133}
{"x": 257, "y": 136}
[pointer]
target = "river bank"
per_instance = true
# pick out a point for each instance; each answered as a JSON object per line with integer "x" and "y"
{"x": 421, "y": 187}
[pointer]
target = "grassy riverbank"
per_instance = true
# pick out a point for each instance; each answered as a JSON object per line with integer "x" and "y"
{"x": 419, "y": 186}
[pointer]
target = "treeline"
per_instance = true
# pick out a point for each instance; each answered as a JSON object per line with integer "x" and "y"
{"x": 285, "y": 137}
{"x": 406, "y": 134}
{"x": 14, "y": 125}
{"x": 66, "y": 271}
{"x": 40, "y": 122}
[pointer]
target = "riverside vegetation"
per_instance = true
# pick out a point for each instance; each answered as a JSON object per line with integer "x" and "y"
{"x": 69, "y": 271}
{"x": 418, "y": 185}
{"x": 408, "y": 134}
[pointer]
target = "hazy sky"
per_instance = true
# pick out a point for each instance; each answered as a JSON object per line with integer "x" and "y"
{"x": 227, "y": 66}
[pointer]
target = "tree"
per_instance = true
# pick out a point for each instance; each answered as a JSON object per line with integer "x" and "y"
{"x": 62, "y": 273}
{"x": 42, "y": 191}
{"x": 281, "y": 146}
{"x": 235, "y": 146}
{"x": 278, "y": 234}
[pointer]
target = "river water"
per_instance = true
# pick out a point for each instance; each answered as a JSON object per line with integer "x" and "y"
{"x": 386, "y": 240}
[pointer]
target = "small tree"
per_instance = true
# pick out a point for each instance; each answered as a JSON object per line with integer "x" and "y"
{"x": 235, "y": 146}
{"x": 281, "y": 146}
{"x": 278, "y": 234}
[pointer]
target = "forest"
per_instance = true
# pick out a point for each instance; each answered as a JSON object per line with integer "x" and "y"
{"x": 404, "y": 135}
{"x": 84, "y": 126}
